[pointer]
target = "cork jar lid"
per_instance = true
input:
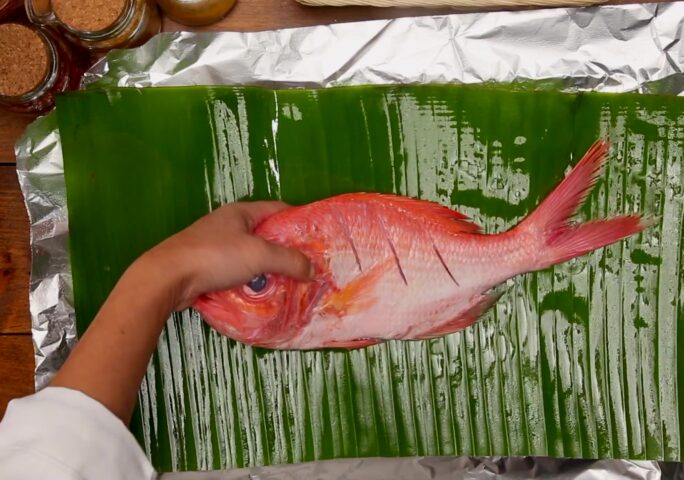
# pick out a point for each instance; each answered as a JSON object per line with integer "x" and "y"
{"x": 24, "y": 60}
{"x": 89, "y": 15}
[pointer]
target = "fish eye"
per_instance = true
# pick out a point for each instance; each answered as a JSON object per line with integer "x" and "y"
{"x": 258, "y": 284}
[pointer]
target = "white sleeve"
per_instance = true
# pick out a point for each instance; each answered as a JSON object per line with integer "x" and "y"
{"x": 63, "y": 434}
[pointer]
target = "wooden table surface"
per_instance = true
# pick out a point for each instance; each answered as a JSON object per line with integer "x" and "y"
{"x": 16, "y": 349}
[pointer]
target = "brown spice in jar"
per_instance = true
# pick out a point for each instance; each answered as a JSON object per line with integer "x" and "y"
{"x": 88, "y": 15}
{"x": 23, "y": 60}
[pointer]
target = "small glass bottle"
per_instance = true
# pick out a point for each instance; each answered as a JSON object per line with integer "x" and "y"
{"x": 99, "y": 25}
{"x": 196, "y": 12}
{"x": 37, "y": 65}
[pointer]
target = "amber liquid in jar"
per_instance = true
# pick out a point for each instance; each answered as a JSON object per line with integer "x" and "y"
{"x": 196, "y": 12}
{"x": 34, "y": 67}
{"x": 99, "y": 25}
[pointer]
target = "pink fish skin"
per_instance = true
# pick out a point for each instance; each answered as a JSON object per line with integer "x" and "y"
{"x": 391, "y": 267}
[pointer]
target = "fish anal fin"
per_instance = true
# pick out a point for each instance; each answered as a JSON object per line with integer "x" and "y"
{"x": 482, "y": 303}
{"x": 351, "y": 344}
{"x": 356, "y": 296}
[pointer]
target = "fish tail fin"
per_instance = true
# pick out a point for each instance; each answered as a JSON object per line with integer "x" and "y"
{"x": 584, "y": 238}
{"x": 563, "y": 240}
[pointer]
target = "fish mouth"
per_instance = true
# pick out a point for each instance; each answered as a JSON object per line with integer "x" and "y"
{"x": 216, "y": 314}
{"x": 226, "y": 318}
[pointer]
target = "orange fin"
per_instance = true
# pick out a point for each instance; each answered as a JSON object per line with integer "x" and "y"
{"x": 419, "y": 209}
{"x": 357, "y": 295}
{"x": 483, "y": 303}
{"x": 459, "y": 222}
{"x": 352, "y": 344}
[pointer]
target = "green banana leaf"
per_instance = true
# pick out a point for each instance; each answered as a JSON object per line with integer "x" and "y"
{"x": 580, "y": 360}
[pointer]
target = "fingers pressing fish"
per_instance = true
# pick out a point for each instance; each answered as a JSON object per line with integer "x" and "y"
{"x": 391, "y": 267}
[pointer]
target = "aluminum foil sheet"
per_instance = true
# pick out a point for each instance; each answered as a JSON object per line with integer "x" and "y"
{"x": 611, "y": 49}
{"x": 41, "y": 176}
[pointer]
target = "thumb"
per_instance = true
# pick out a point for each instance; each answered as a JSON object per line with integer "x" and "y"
{"x": 285, "y": 261}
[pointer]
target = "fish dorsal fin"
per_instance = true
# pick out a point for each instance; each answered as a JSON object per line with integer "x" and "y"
{"x": 453, "y": 220}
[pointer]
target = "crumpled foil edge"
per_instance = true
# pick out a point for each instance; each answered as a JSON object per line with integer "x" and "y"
{"x": 608, "y": 49}
{"x": 41, "y": 176}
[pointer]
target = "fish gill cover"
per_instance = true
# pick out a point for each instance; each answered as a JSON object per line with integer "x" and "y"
{"x": 580, "y": 360}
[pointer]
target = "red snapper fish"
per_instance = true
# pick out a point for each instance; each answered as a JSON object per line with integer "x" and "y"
{"x": 391, "y": 267}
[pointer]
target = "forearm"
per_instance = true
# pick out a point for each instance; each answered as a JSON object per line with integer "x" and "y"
{"x": 216, "y": 252}
{"x": 111, "y": 358}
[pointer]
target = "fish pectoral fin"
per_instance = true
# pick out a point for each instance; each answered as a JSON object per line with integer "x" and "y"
{"x": 482, "y": 303}
{"x": 351, "y": 344}
{"x": 357, "y": 295}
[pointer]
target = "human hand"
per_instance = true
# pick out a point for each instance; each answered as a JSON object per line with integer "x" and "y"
{"x": 216, "y": 252}
{"x": 219, "y": 251}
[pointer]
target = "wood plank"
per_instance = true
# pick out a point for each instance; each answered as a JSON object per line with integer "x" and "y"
{"x": 12, "y": 125}
{"x": 16, "y": 368}
{"x": 254, "y": 15}
{"x": 14, "y": 255}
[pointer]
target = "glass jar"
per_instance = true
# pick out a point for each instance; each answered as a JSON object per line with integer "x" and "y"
{"x": 38, "y": 65}
{"x": 196, "y": 12}
{"x": 9, "y": 8}
{"x": 99, "y": 25}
